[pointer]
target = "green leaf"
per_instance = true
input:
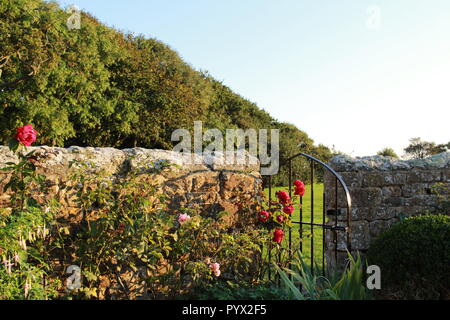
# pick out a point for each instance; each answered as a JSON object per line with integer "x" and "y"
{"x": 295, "y": 291}
{"x": 35, "y": 254}
{"x": 13, "y": 144}
{"x": 31, "y": 202}
{"x": 29, "y": 154}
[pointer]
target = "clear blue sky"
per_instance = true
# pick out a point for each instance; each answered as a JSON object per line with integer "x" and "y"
{"x": 320, "y": 65}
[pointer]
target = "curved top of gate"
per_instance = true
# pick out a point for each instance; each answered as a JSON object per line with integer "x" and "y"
{"x": 334, "y": 173}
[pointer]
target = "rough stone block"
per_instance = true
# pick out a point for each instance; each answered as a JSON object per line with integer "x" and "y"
{"x": 445, "y": 175}
{"x": 384, "y": 213}
{"x": 413, "y": 177}
{"x": 430, "y": 176}
{"x": 398, "y": 178}
{"x": 421, "y": 200}
{"x": 393, "y": 202}
{"x": 377, "y": 227}
{"x": 330, "y": 196}
{"x": 413, "y": 189}
{"x": 367, "y": 197}
{"x": 410, "y": 211}
{"x": 360, "y": 236}
{"x": 358, "y": 213}
{"x": 394, "y": 191}
{"x": 352, "y": 179}
{"x": 373, "y": 179}
{"x": 419, "y": 176}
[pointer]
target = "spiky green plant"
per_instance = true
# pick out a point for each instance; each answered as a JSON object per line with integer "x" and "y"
{"x": 304, "y": 284}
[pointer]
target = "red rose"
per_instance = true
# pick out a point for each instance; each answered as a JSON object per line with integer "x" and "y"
{"x": 263, "y": 216}
{"x": 300, "y": 191}
{"x": 278, "y": 236}
{"x": 26, "y": 135}
{"x": 299, "y": 188}
{"x": 288, "y": 209}
{"x": 298, "y": 183}
{"x": 280, "y": 218}
{"x": 283, "y": 197}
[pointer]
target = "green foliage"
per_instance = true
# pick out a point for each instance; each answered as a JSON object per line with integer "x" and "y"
{"x": 99, "y": 87}
{"x": 304, "y": 284}
{"x": 388, "y": 152}
{"x": 414, "y": 258}
{"x": 240, "y": 291}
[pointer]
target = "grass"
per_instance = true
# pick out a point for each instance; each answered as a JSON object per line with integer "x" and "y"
{"x": 306, "y": 217}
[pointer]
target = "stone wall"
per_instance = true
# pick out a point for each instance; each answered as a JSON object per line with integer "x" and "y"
{"x": 382, "y": 190}
{"x": 204, "y": 180}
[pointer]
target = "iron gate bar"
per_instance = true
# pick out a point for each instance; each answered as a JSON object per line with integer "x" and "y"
{"x": 290, "y": 232}
{"x": 335, "y": 220}
{"x": 325, "y": 226}
{"x": 312, "y": 216}
{"x": 323, "y": 233}
{"x": 301, "y": 224}
{"x": 270, "y": 205}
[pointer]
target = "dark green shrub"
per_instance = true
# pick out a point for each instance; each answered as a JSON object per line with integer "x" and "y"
{"x": 414, "y": 257}
{"x": 240, "y": 291}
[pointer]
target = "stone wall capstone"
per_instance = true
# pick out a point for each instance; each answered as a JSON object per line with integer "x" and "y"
{"x": 383, "y": 189}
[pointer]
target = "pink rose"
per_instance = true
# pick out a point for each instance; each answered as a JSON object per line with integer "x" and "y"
{"x": 183, "y": 218}
{"x": 280, "y": 218}
{"x": 26, "y": 135}
{"x": 215, "y": 268}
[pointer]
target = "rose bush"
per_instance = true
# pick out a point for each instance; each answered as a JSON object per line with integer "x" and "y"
{"x": 278, "y": 216}
{"x": 25, "y": 228}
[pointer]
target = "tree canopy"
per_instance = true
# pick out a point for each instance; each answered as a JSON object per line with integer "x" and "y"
{"x": 418, "y": 148}
{"x": 96, "y": 86}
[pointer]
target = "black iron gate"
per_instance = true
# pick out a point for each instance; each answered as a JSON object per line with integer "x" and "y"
{"x": 327, "y": 220}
